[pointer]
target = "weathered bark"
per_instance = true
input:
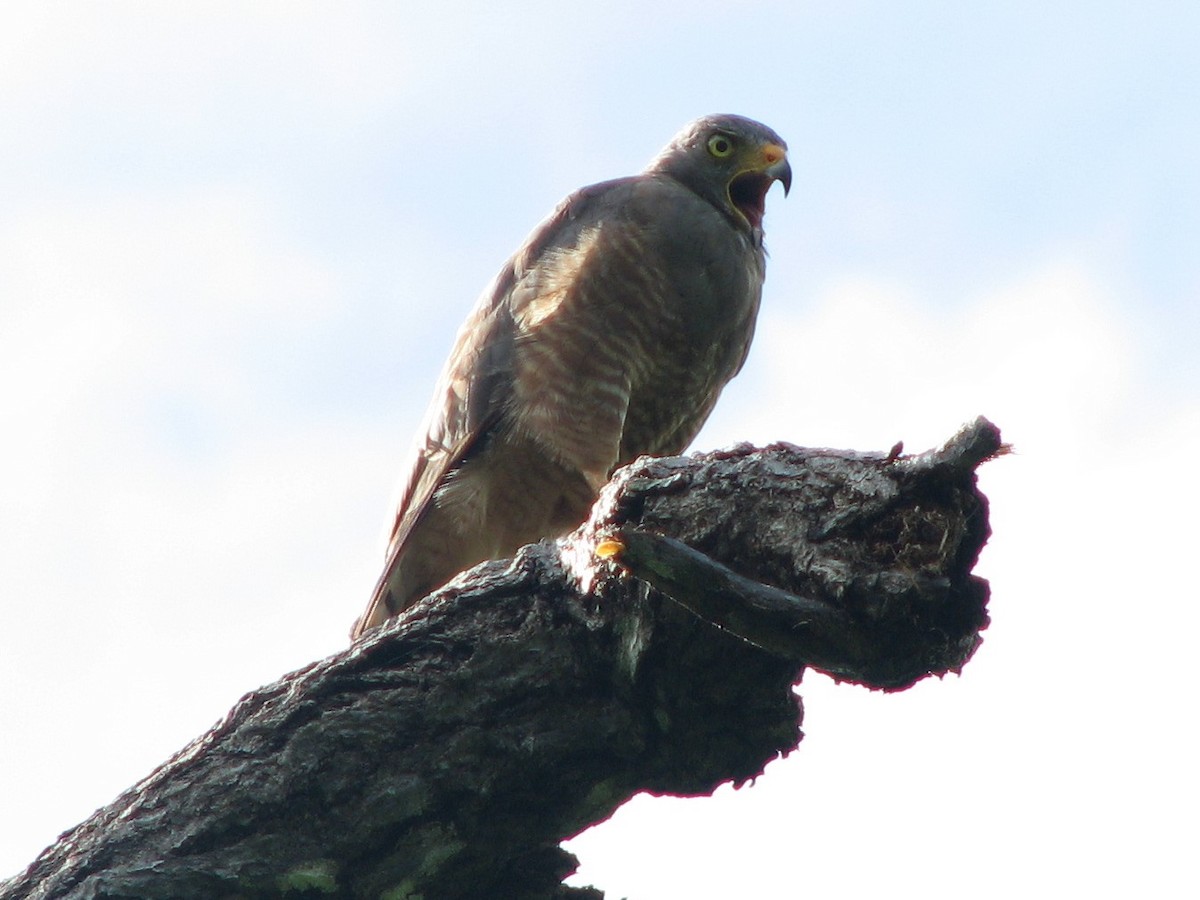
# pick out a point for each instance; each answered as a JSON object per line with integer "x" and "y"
{"x": 448, "y": 753}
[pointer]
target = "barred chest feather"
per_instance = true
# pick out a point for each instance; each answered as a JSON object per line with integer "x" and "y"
{"x": 630, "y": 335}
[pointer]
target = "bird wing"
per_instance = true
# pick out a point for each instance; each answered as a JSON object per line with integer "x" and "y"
{"x": 474, "y": 391}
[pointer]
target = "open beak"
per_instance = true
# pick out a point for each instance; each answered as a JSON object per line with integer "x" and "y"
{"x": 748, "y": 189}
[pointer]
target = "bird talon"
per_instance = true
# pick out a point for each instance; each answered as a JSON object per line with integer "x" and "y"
{"x": 608, "y": 548}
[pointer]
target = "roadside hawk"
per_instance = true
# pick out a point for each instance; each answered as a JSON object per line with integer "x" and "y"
{"x": 608, "y": 335}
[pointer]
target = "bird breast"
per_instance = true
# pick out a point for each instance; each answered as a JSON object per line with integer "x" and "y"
{"x": 627, "y": 333}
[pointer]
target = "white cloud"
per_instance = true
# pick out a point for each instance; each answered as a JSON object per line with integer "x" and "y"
{"x": 1013, "y": 768}
{"x": 170, "y": 537}
{"x": 867, "y": 362}
{"x": 295, "y": 52}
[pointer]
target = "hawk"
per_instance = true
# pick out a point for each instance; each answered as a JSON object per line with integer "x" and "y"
{"x": 608, "y": 335}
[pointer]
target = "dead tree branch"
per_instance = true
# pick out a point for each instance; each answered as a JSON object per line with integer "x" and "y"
{"x": 448, "y": 753}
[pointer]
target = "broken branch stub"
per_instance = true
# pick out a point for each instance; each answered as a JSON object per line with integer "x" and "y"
{"x": 857, "y": 564}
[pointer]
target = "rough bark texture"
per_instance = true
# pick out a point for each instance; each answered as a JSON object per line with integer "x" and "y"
{"x": 447, "y": 754}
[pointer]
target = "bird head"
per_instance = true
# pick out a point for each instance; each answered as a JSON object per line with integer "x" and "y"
{"x": 731, "y": 161}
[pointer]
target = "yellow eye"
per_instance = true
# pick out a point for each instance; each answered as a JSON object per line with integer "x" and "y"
{"x": 720, "y": 145}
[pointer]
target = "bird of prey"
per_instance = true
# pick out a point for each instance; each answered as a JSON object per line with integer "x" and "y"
{"x": 608, "y": 335}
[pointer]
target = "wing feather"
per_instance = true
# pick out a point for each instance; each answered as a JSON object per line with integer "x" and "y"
{"x": 474, "y": 392}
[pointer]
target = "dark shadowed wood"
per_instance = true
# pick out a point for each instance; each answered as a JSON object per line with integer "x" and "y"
{"x": 447, "y": 754}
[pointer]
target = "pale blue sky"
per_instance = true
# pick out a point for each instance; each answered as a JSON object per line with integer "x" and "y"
{"x": 235, "y": 243}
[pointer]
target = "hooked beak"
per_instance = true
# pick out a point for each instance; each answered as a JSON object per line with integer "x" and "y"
{"x": 777, "y": 166}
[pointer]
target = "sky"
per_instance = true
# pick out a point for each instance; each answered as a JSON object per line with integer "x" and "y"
{"x": 236, "y": 241}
